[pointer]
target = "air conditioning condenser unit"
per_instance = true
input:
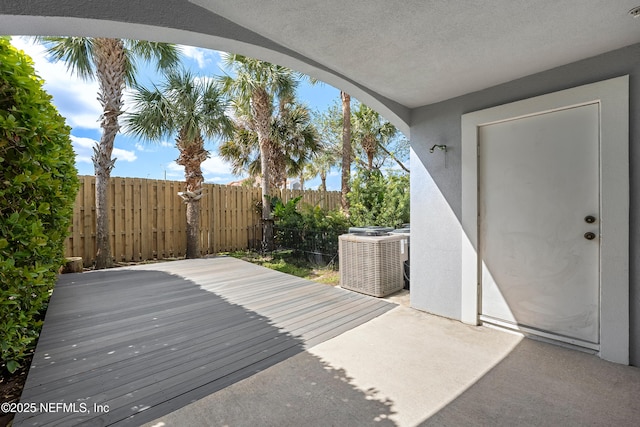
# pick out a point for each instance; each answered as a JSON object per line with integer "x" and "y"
{"x": 372, "y": 265}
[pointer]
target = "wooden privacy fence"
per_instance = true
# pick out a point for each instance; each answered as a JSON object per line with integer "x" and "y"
{"x": 148, "y": 219}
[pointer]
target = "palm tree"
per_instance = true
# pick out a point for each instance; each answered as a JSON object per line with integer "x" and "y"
{"x": 320, "y": 165}
{"x": 329, "y": 125}
{"x": 254, "y": 89}
{"x": 346, "y": 149}
{"x": 112, "y": 62}
{"x": 295, "y": 141}
{"x": 293, "y": 138}
{"x": 371, "y": 131}
{"x": 242, "y": 151}
{"x": 190, "y": 108}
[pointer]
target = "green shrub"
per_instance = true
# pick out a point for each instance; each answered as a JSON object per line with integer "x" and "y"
{"x": 38, "y": 185}
{"x": 380, "y": 200}
{"x": 286, "y": 214}
{"x": 308, "y": 229}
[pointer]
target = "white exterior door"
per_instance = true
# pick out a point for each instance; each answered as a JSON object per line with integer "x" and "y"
{"x": 539, "y": 216}
{"x": 532, "y": 171}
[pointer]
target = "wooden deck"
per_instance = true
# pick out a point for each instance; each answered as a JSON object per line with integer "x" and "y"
{"x": 146, "y": 340}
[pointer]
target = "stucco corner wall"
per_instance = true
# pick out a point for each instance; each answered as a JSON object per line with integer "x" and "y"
{"x": 435, "y": 212}
{"x": 436, "y": 231}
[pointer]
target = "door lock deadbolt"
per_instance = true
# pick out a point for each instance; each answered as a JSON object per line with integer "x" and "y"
{"x": 590, "y": 219}
{"x": 589, "y": 235}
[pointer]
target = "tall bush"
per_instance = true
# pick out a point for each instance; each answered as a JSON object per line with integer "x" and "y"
{"x": 377, "y": 199}
{"x": 307, "y": 228}
{"x": 38, "y": 185}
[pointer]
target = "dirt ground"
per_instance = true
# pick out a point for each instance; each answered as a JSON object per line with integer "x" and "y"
{"x": 11, "y": 388}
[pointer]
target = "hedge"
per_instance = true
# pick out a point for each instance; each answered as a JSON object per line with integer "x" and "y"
{"x": 381, "y": 200}
{"x": 38, "y": 185}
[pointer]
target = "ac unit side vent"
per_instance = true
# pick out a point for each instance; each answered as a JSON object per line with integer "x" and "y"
{"x": 372, "y": 265}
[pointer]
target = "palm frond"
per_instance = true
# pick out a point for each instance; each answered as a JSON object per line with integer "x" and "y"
{"x": 152, "y": 118}
{"x": 183, "y": 104}
{"x": 214, "y": 105}
{"x": 76, "y": 52}
{"x": 242, "y": 152}
{"x": 165, "y": 56}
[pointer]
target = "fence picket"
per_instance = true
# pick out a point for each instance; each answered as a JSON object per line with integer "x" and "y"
{"x": 89, "y": 219}
{"x": 148, "y": 218}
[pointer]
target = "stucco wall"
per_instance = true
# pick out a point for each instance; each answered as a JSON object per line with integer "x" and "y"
{"x": 436, "y": 184}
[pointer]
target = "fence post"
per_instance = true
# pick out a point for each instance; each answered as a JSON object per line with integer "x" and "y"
{"x": 148, "y": 218}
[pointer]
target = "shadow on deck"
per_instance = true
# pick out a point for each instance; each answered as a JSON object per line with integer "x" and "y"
{"x": 126, "y": 346}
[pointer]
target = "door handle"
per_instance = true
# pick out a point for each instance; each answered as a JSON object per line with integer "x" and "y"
{"x": 589, "y": 235}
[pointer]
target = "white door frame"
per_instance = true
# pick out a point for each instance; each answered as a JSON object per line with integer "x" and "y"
{"x": 613, "y": 98}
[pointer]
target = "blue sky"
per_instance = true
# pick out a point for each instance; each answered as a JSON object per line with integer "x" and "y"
{"x": 77, "y": 101}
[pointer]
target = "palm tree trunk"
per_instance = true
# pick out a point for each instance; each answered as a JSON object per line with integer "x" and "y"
{"x": 110, "y": 69}
{"x": 346, "y": 149}
{"x": 323, "y": 179}
{"x": 369, "y": 145}
{"x": 193, "y": 229}
{"x": 192, "y": 154}
{"x": 261, "y": 112}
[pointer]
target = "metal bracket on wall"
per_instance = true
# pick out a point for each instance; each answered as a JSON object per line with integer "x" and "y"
{"x": 441, "y": 147}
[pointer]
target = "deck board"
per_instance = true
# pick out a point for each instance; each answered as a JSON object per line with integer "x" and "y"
{"x": 149, "y": 339}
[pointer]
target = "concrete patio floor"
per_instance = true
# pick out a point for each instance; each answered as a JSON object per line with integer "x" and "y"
{"x": 408, "y": 368}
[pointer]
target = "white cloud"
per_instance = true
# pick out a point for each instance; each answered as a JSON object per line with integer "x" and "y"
{"x": 124, "y": 155}
{"x": 174, "y": 170}
{"x": 83, "y": 148}
{"x": 219, "y": 180}
{"x": 152, "y": 147}
{"x": 127, "y": 99}
{"x": 214, "y": 169}
{"x": 215, "y": 165}
{"x": 204, "y": 57}
{"x": 173, "y": 166}
{"x": 75, "y": 99}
